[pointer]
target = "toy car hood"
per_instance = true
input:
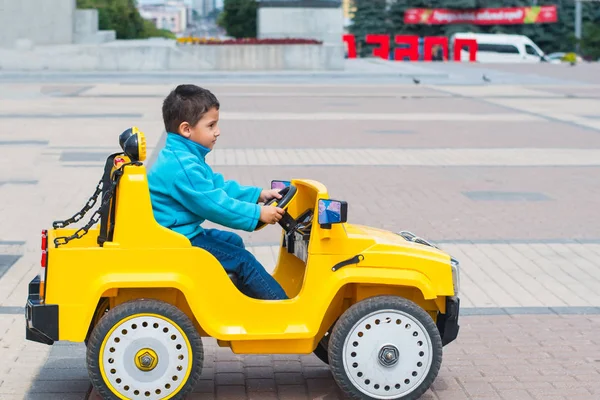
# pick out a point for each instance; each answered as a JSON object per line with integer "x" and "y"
{"x": 388, "y": 238}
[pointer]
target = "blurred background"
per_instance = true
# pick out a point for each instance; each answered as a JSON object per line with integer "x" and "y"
{"x": 147, "y": 33}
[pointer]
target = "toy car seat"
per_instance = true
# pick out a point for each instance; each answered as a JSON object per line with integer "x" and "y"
{"x": 133, "y": 143}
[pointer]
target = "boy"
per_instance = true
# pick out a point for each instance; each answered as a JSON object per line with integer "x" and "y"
{"x": 185, "y": 191}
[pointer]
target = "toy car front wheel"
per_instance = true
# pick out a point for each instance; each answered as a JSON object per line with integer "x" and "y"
{"x": 144, "y": 349}
{"x": 385, "y": 347}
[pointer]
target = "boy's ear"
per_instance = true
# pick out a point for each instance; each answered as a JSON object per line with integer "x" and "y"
{"x": 185, "y": 129}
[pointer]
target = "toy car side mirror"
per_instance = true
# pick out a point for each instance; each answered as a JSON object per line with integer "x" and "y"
{"x": 332, "y": 212}
{"x": 280, "y": 184}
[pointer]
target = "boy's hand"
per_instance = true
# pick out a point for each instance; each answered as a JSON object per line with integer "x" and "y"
{"x": 267, "y": 195}
{"x": 270, "y": 214}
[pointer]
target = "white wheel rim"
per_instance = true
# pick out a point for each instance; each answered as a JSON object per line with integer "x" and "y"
{"x": 133, "y": 336}
{"x": 405, "y": 346}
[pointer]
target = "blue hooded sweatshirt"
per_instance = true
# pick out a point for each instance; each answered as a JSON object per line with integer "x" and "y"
{"x": 185, "y": 191}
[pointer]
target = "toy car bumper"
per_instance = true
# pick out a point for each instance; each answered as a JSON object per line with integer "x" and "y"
{"x": 447, "y": 323}
{"x": 41, "y": 319}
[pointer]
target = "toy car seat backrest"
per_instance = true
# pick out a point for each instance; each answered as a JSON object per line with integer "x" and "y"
{"x": 133, "y": 143}
{"x": 109, "y": 169}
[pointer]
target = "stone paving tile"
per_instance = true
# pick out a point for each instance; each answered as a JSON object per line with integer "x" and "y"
{"x": 62, "y": 134}
{"x": 317, "y": 89}
{"x": 552, "y": 106}
{"x": 60, "y": 106}
{"x": 584, "y": 73}
{"x": 512, "y": 91}
{"x": 590, "y": 91}
{"x": 355, "y": 157}
{"x": 258, "y": 89}
{"x": 404, "y": 157}
{"x": 291, "y": 115}
{"x": 349, "y": 104}
{"x": 581, "y": 112}
{"x": 362, "y": 71}
{"x": 406, "y": 134}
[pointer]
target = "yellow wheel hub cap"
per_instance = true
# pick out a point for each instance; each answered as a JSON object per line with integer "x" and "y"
{"x": 146, "y": 359}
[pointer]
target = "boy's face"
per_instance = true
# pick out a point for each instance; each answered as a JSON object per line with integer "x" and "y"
{"x": 206, "y": 130}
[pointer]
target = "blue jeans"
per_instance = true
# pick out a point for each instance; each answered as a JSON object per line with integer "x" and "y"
{"x": 228, "y": 248}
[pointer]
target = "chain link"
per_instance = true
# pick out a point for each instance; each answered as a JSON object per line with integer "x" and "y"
{"x": 98, "y": 214}
{"x": 79, "y": 216}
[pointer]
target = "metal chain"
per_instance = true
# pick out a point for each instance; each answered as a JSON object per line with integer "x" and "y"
{"x": 97, "y": 215}
{"x": 79, "y": 216}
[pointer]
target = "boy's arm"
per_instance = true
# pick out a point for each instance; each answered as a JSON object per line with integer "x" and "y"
{"x": 233, "y": 189}
{"x": 199, "y": 194}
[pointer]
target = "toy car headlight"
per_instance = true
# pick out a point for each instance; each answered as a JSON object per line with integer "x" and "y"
{"x": 133, "y": 143}
{"x": 455, "y": 275}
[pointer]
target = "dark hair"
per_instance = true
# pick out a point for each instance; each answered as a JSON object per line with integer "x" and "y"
{"x": 187, "y": 103}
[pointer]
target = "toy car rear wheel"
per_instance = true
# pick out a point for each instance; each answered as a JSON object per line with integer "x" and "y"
{"x": 385, "y": 347}
{"x": 144, "y": 349}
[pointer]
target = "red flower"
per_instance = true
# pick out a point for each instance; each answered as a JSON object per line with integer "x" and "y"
{"x": 253, "y": 41}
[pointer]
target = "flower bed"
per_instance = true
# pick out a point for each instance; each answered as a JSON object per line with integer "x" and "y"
{"x": 252, "y": 41}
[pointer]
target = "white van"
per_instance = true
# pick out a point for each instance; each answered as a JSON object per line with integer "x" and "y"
{"x": 501, "y": 48}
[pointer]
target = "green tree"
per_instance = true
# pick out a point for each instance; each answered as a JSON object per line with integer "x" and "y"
{"x": 370, "y": 17}
{"x": 396, "y": 16}
{"x": 590, "y": 40}
{"x": 150, "y": 30}
{"x": 239, "y": 18}
{"x": 463, "y": 4}
{"x": 123, "y": 17}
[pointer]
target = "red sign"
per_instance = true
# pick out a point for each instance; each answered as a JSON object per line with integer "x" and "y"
{"x": 410, "y": 47}
{"x": 383, "y": 50}
{"x": 351, "y": 45}
{"x": 482, "y": 16}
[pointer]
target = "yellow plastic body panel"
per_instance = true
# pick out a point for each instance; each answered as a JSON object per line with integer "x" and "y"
{"x": 147, "y": 260}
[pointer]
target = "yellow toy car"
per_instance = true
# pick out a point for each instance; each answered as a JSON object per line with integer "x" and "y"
{"x": 376, "y": 306}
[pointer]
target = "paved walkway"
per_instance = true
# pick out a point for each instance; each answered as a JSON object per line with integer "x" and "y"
{"x": 503, "y": 177}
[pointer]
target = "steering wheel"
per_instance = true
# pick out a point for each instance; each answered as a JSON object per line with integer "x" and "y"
{"x": 287, "y": 195}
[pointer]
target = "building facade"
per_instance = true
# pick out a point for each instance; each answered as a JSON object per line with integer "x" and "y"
{"x": 204, "y": 7}
{"x": 171, "y": 15}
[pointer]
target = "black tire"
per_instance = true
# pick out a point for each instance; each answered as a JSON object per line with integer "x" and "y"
{"x": 164, "y": 315}
{"x": 101, "y": 310}
{"x": 322, "y": 349}
{"x": 432, "y": 345}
